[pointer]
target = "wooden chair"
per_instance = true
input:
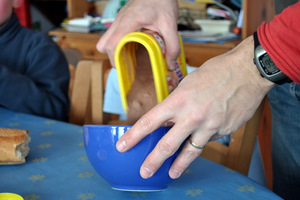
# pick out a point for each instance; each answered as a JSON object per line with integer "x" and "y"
{"x": 237, "y": 155}
{"x": 88, "y": 91}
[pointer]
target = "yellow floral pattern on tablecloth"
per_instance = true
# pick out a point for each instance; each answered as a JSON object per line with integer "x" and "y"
{"x": 193, "y": 192}
{"x": 138, "y": 194}
{"x": 37, "y": 177}
{"x": 246, "y": 188}
{"x": 44, "y": 146}
{"x": 229, "y": 170}
{"x": 32, "y": 197}
{"x": 85, "y": 175}
{"x": 49, "y": 122}
{"x": 81, "y": 144}
{"x": 83, "y": 158}
{"x": 41, "y": 159}
{"x": 188, "y": 171}
{"x": 86, "y": 196}
{"x": 14, "y": 124}
{"x": 47, "y": 133}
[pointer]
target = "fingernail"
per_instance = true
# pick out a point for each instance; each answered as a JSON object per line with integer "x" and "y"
{"x": 174, "y": 173}
{"x": 121, "y": 145}
{"x": 172, "y": 65}
{"x": 146, "y": 172}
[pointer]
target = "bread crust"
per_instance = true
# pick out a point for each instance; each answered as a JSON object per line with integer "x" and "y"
{"x": 13, "y": 145}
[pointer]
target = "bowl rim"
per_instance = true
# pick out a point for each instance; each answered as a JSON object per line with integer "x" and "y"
{"x": 126, "y": 126}
{"x": 105, "y": 125}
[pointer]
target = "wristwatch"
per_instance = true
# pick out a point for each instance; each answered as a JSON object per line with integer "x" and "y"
{"x": 266, "y": 66}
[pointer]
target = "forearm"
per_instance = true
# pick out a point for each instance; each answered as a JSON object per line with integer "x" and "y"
{"x": 21, "y": 93}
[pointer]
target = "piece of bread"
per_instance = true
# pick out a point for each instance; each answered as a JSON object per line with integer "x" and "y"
{"x": 13, "y": 146}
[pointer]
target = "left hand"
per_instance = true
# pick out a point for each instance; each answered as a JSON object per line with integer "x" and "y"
{"x": 156, "y": 15}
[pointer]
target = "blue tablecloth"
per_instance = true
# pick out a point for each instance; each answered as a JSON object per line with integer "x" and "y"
{"x": 57, "y": 169}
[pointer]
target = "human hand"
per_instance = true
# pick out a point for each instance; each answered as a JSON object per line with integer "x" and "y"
{"x": 156, "y": 15}
{"x": 211, "y": 102}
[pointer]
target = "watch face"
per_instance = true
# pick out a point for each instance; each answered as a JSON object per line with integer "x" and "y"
{"x": 268, "y": 65}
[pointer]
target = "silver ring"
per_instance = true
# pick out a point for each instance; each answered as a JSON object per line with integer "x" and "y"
{"x": 195, "y": 145}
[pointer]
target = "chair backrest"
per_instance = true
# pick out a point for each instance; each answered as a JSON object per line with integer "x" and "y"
{"x": 254, "y": 13}
{"x": 237, "y": 155}
{"x": 88, "y": 91}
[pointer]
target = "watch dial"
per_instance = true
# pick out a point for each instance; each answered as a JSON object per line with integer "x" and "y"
{"x": 268, "y": 64}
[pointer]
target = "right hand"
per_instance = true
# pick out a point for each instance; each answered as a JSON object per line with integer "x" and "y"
{"x": 211, "y": 102}
{"x": 156, "y": 15}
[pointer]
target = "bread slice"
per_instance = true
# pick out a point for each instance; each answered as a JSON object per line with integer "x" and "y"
{"x": 13, "y": 146}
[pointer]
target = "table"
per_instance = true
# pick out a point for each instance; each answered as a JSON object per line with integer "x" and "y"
{"x": 195, "y": 53}
{"x": 57, "y": 168}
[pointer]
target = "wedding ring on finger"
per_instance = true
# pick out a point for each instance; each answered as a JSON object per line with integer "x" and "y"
{"x": 195, "y": 145}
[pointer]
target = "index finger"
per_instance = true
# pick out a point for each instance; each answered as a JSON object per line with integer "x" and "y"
{"x": 144, "y": 126}
{"x": 110, "y": 39}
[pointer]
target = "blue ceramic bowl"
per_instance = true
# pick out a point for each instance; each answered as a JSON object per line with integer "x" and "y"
{"x": 122, "y": 170}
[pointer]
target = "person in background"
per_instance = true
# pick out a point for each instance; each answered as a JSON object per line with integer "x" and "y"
{"x": 34, "y": 74}
{"x": 220, "y": 96}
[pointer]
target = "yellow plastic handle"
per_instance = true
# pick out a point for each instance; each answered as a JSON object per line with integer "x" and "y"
{"x": 125, "y": 61}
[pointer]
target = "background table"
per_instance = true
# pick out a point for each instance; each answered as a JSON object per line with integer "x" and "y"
{"x": 57, "y": 168}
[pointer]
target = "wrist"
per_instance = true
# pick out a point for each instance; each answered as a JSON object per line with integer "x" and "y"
{"x": 244, "y": 54}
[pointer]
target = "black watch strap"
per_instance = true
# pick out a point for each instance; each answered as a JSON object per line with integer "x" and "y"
{"x": 255, "y": 38}
{"x": 286, "y": 79}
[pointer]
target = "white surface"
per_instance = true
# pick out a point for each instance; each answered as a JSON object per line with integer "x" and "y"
{"x": 215, "y": 26}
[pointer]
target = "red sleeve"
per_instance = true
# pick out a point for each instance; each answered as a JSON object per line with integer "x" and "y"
{"x": 281, "y": 39}
{"x": 24, "y": 15}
